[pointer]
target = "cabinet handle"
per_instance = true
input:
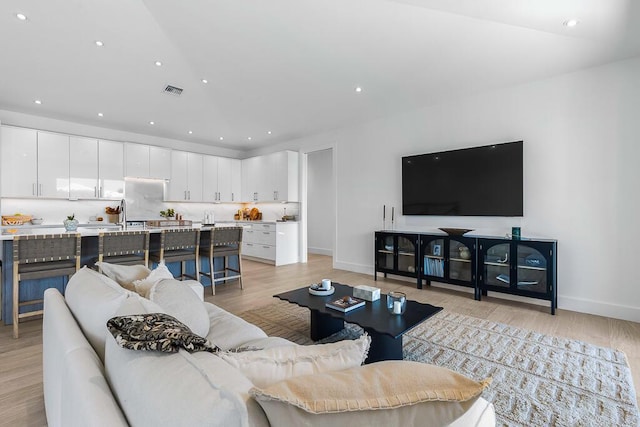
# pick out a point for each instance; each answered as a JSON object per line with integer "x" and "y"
{"x": 101, "y": 192}
{"x": 33, "y": 189}
{"x": 265, "y": 232}
{"x": 185, "y": 195}
{"x": 232, "y": 197}
{"x": 266, "y": 247}
{"x": 40, "y": 190}
{"x": 95, "y": 191}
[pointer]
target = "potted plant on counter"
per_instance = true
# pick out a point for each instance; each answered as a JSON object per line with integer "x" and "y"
{"x": 71, "y": 223}
{"x": 169, "y": 213}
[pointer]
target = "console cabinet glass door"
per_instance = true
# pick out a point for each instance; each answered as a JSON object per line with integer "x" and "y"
{"x": 397, "y": 253}
{"x": 461, "y": 260}
{"x": 522, "y": 267}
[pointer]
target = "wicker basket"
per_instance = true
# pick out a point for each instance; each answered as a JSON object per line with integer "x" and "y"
{"x": 15, "y": 219}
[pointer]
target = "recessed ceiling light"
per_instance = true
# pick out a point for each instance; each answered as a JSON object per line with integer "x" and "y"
{"x": 100, "y": 115}
{"x": 21, "y": 16}
{"x": 358, "y": 89}
{"x": 99, "y": 43}
{"x": 190, "y": 132}
{"x": 571, "y": 23}
{"x": 249, "y": 138}
{"x": 221, "y": 138}
{"x": 205, "y": 81}
{"x": 37, "y": 101}
{"x": 269, "y": 132}
{"x": 158, "y": 64}
{"x": 152, "y": 123}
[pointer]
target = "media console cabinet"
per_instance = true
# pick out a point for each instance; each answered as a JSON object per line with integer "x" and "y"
{"x": 525, "y": 267}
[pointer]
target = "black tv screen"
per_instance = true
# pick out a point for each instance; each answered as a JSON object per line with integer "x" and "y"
{"x": 478, "y": 181}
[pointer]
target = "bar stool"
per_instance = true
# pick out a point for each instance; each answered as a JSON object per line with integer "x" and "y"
{"x": 41, "y": 257}
{"x": 124, "y": 247}
{"x": 224, "y": 242}
{"x": 179, "y": 245}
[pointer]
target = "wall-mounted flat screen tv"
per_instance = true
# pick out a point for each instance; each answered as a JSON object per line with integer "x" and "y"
{"x": 478, "y": 181}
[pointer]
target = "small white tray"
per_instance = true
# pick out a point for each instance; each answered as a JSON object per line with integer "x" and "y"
{"x": 321, "y": 293}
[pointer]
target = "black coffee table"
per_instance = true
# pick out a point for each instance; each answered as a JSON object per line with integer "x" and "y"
{"x": 385, "y": 329}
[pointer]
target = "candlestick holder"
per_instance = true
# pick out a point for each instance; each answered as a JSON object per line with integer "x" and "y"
{"x": 396, "y": 302}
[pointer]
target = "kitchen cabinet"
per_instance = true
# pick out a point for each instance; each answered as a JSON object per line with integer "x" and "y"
{"x": 159, "y": 163}
{"x": 272, "y": 243}
{"x": 110, "y": 169}
{"x": 186, "y": 177}
{"x": 53, "y": 165}
{"x": 269, "y": 178}
{"x": 144, "y": 161}
{"x": 83, "y": 168}
{"x": 221, "y": 179}
{"x": 34, "y": 164}
{"x": 19, "y": 171}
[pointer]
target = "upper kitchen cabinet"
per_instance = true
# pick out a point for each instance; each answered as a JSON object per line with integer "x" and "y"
{"x": 111, "y": 169}
{"x": 83, "y": 168}
{"x": 19, "y": 171}
{"x": 144, "y": 161}
{"x": 186, "y": 177}
{"x": 34, "y": 164}
{"x": 270, "y": 178}
{"x": 221, "y": 179}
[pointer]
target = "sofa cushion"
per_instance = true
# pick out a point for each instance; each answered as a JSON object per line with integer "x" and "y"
{"x": 144, "y": 284}
{"x": 221, "y": 322}
{"x": 125, "y": 275}
{"x": 93, "y": 298}
{"x": 178, "y": 300}
{"x": 383, "y": 393}
{"x": 175, "y": 389}
{"x": 264, "y": 343}
{"x": 272, "y": 365}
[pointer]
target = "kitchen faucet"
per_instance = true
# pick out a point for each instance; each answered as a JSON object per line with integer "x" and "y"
{"x": 123, "y": 214}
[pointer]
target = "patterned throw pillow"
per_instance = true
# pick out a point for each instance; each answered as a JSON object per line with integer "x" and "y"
{"x": 156, "y": 332}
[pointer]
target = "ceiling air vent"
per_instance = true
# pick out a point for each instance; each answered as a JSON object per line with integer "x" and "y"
{"x": 172, "y": 90}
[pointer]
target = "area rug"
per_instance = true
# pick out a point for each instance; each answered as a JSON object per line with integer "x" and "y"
{"x": 538, "y": 380}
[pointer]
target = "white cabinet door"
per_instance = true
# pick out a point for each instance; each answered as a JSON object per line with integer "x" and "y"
{"x": 83, "y": 168}
{"x": 254, "y": 179}
{"x": 177, "y": 187}
{"x": 19, "y": 156}
{"x": 284, "y": 167}
{"x": 111, "y": 169}
{"x": 136, "y": 160}
{"x": 236, "y": 181}
{"x": 53, "y": 165}
{"x": 210, "y": 178}
{"x": 194, "y": 177}
{"x": 159, "y": 163}
{"x": 224, "y": 179}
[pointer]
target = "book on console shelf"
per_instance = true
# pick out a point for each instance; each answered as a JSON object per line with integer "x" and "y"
{"x": 345, "y": 304}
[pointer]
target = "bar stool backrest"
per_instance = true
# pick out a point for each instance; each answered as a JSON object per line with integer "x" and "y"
{"x": 226, "y": 236}
{"x": 122, "y": 243}
{"x": 46, "y": 248}
{"x": 179, "y": 239}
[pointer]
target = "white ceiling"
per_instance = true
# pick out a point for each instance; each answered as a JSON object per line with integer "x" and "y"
{"x": 287, "y": 66}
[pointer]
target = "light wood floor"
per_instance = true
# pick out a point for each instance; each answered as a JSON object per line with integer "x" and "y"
{"x": 21, "y": 400}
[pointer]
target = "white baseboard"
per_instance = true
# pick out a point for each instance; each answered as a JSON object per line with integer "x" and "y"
{"x": 356, "y": 268}
{"x": 320, "y": 251}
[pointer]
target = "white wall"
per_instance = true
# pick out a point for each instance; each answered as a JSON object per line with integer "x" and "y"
{"x": 581, "y": 133}
{"x": 320, "y": 202}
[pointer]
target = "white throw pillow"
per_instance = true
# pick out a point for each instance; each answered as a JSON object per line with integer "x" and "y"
{"x": 144, "y": 284}
{"x": 390, "y": 393}
{"x": 272, "y": 365}
{"x": 178, "y": 300}
{"x": 125, "y": 275}
{"x": 93, "y": 298}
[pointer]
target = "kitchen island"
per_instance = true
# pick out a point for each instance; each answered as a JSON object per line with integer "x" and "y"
{"x": 34, "y": 289}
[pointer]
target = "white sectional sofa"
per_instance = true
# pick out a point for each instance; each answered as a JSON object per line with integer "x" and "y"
{"x": 89, "y": 380}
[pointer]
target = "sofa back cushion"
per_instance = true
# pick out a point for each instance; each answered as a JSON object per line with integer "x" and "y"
{"x": 196, "y": 389}
{"x": 93, "y": 298}
{"x": 228, "y": 331}
{"x": 179, "y": 300}
{"x": 275, "y": 364}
